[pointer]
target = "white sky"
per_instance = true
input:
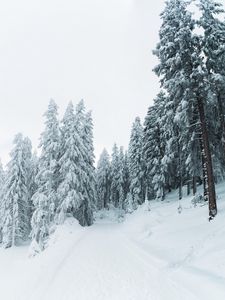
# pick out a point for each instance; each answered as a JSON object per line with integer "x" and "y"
{"x": 98, "y": 50}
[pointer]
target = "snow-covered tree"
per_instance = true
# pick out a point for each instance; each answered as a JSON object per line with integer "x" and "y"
{"x": 213, "y": 45}
{"x": 125, "y": 175}
{"x": 154, "y": 148}
{"x": 76, "y": 188}
{"x": 84, "y": 213}
{"x": 45, "y": 198}
{"x": 115, "y": 177}
{"x": 16, "y": 223}
{"x": 136, "y": 163}
{"x": 103, "y": 175}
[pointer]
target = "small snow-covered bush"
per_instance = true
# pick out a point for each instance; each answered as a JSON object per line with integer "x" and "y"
{"x": 197, "y": 199}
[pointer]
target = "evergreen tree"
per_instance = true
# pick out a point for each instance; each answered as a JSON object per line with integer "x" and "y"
{"x": 213, "y": 45}
{"x": 154, "y": 149}
{"x": 75, "y": 164}
{"x": 84, "y": 213}
{"x": 103, "y": 175}
{"x": 125, "y": 176}
{"x": 136, "y": 163}
{"x": 115, "y": 177}
{"x": 16, "y": 223}
{"x": 45, "y": 197}
{"x": 122, "y": 195}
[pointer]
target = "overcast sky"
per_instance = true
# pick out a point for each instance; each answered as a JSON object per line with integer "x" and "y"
{"x": 98, "y": 50}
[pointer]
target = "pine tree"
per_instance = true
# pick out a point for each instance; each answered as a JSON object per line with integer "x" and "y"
{"x": 154, "y": 149}
{"x": 16, "y": 223}
{"x": 103, "y": 175}
{"x": 84, "y": 213}
{"x": 115, "y": 177}
{"x": 76, "y": 161}
{"x": 125, "y": 176}
{"x": 136, "y": 163}
{"x": 122, "y": 195}
{"x": 213, "y": 44}
{"x": 45, "y": 198}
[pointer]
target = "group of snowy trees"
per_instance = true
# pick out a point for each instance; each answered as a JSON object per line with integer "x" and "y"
{"x": 183, "y": 139}
{"x": 38, "y": 192}
{"x": 190, "y": 109}
{"x": 120, "y": 179}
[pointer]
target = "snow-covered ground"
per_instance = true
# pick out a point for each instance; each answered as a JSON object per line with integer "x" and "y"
{"x": 152, "y": 255}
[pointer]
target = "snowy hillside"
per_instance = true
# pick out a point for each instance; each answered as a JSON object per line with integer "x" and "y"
{"x": 157, "y": 254}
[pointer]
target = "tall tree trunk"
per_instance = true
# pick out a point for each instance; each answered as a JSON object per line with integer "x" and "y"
{"x": 222, "y": 119}
{"x": 210, "y": 186}
{"x": 204, "y": 170}
{"x": 180, "y": 173}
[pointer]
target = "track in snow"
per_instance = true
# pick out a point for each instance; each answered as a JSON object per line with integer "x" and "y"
{"x": 105, "y": 265}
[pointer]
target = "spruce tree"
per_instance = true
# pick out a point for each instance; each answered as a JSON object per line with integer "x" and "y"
{"x": 76, "y": 188}
{"x": 84, "y": 213}
{"x": 136, "y": 163}
{"x": 45, "y": 198}
{"x": 16, "y": 225}
{"x": 103, "y": 175}
{"x": 115, "y": 177}
{"x": 213, "y": 44}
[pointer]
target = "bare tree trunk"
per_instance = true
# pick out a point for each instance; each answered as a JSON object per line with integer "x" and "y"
{"x": 222, "y": 119}
{"x": 180, "y": 173}
{"x": 194, "y": 186}
{"x": 210, "y": 186}
{"x": 188, "y": 188}
{"x": 204, "y": 171}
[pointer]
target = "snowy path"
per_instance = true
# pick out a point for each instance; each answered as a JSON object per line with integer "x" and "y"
{"x": 101, "y": 266}
{"x": 105, "y": 265}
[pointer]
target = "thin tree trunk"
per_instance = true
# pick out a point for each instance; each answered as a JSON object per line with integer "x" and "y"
{"x": 204, "y": 171}
{"x": 210, "y": 188}
{"x": 194, "y": 187}
{"x": 222, "y": 119}
{"x": 180, "y": 173}
{"x": 188, "y": 188}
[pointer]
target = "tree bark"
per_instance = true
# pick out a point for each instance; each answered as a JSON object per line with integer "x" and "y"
{"x": 188, "y": 188}
{"x": 204, "y": 171}
{"x": 209, "y": 179}
{"x": 222, "y": 120}
{"x": 194, "y": 186}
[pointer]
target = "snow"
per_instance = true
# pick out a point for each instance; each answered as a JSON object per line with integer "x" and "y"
{"x": 153, "y": 255}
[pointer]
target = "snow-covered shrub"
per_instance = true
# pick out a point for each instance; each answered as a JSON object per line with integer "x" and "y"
{"x": 197, "y": 199}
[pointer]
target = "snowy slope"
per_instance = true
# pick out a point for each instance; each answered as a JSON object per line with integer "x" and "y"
{"x": 152, "y": 255}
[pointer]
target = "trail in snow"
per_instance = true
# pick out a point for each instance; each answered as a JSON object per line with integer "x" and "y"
{"x": 105, "y": 265}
